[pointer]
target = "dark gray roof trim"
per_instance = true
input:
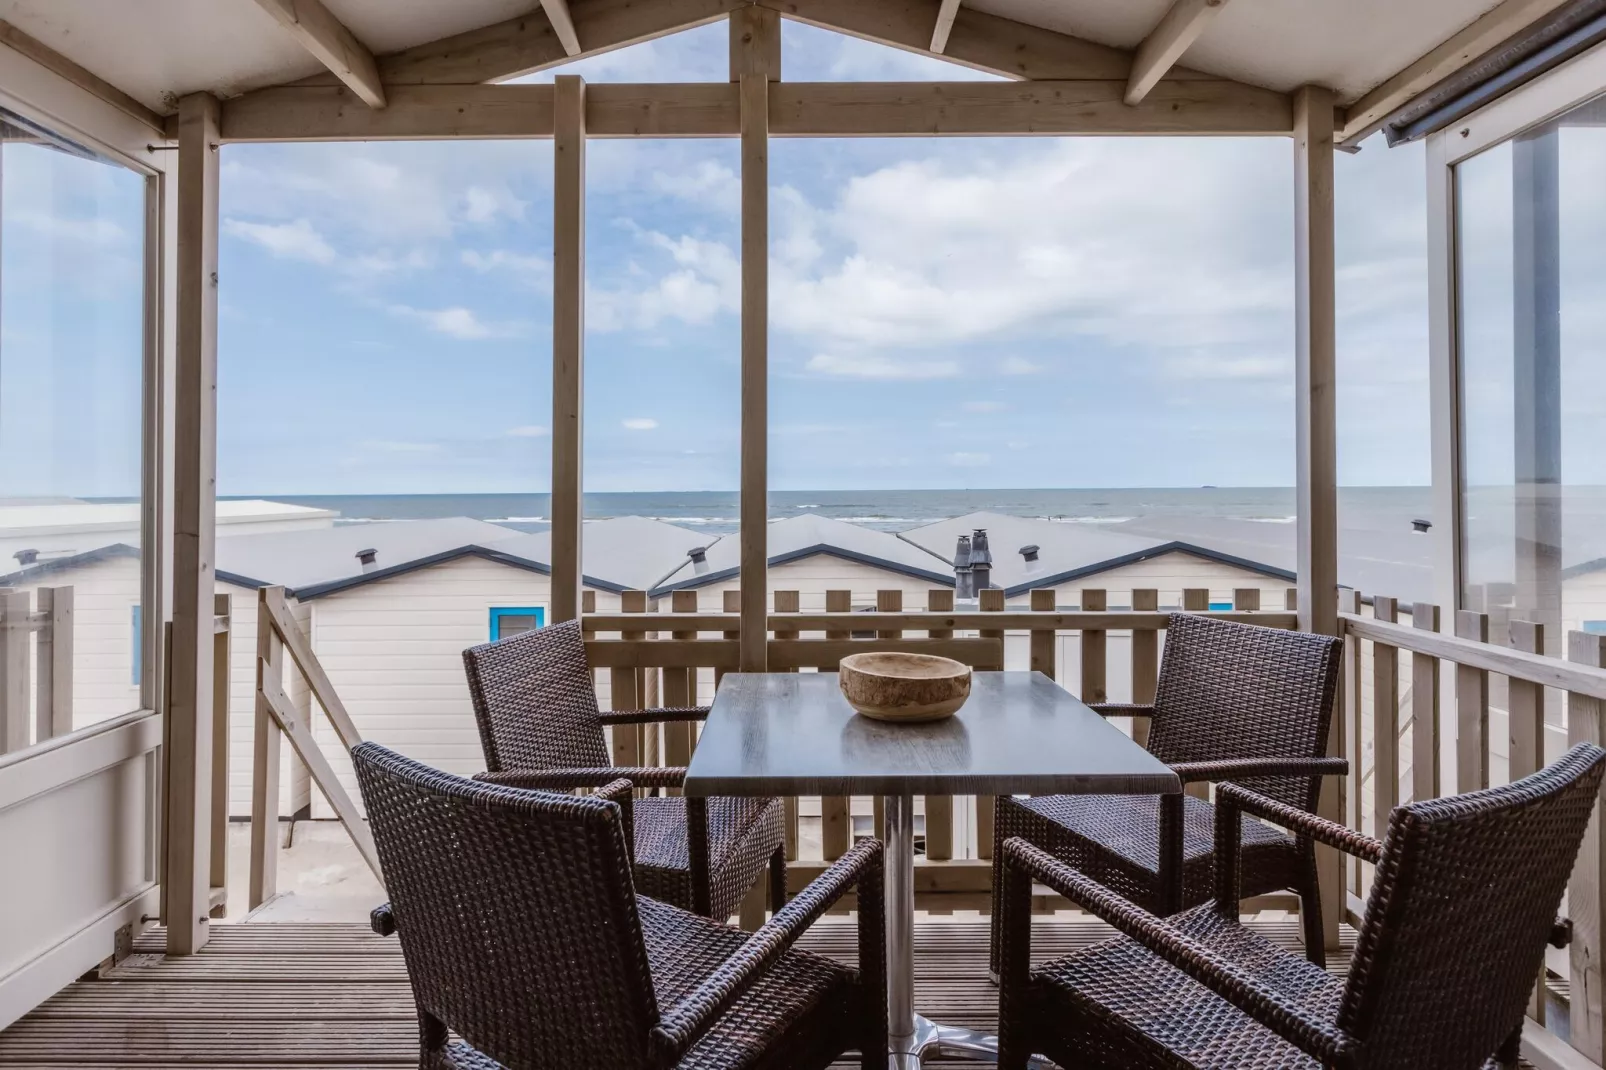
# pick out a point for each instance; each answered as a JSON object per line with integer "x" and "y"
{"x": 1546, "y": 44}
{"x": 797, "y": 555}
{"x": 38, "y": 571}
{"x": 320, "y": 590}
{"x": 1145, "y": 555}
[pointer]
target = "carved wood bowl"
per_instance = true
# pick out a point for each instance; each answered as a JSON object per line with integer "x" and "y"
{"x": 904, "y": 687}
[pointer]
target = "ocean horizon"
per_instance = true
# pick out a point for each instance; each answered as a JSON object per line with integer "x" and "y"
{"x": 885, "y": 510}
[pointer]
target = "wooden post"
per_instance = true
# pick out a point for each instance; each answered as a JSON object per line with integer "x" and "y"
{"x": 1385, "y": 720}
{"x": 223, "y": 626}
{"x": 788, "y": 602}
{"x": 188, "y": 778}
{"x": 1196, "y": 599}
{"x": 14, "y": 689}
{"x": 622, "y": 683}
{"x": 885, "y": 602}
{"x": 568, "y": 341}
{"x": 265, "y": 754}
{"x": 1246, "y": 599}
{"x": 1471, "y": 709}
{"x": 1044, "y": 601}
{"x": 1586, "y": 902}
{"x": 1094, "y": 649}
{"x": 1315, "y": 352}
{"x": 755, "y": 34}
{"x": 989, "y": 601}
{"x": 680, "y": 689}
{"x": 53, "y": 649}
{"x": 1525, "y": 714}
{"x": 755, "y": 96}
{"x": 940, "y": 808}
{"x": 731, "y": 603}
{"x": 836, "y": 819}
{"x": 1145, "y": 660}
{"x": 1354, "y": 711}
{"x": 1425, "y": 736}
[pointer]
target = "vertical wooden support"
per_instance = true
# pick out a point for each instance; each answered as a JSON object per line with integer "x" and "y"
{"x": 990, "y": 601}
{"x": 1095, "y": 654}
{"x": 1471, "y": 709}
{"x": 755, "y": 96}
{"x": 1385, "y": 720}
{"x": 54, "y": 654}
{"x": 836, "y": 823}
{"x": 568, "y": 340}
{"x": 220, "y": 753}
{"x": 755, "y": 34}
{"x": 1525, "y": 711}
{"x": 1425, "y": 736}
{"x": 627, "y": 749}
{"x": 1246, "y": 599}
{"x": 1350, "y": 706}
{"x": 188, "y": 779}
{"x": 1044, "y": 601}
{"x": 15, "y": 607}
{"x": 885, "y": 602}
{"x": 731, "y": 603}
{"x": 680, "y": 689}
{"x": 1196, "y": 599}
{"x": 1586, "y": 900}
{"x": 1145, "y": 660}
{"x": 789, "y": 602}
{"x": 940, "y": 808}
{"x": 265, "y": 753}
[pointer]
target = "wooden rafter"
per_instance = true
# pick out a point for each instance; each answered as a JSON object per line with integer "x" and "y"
{"x": 1179, "y": 28}
{"x": 335, "y": 46}
{"x": 1368, "y": 113}
{"x": 945, "y": 25}
{"x": 557, "y": 12}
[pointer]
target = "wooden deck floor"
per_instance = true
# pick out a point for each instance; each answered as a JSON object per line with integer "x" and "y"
{"x": 283, "y": 995}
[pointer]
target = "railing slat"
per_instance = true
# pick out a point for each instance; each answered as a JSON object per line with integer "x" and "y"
{"x": 1196, "y": 600}
{"x": 1425, "y": 733}
{"x": 219, "y": 857}
{"x": 1385, "y": 719}
{"x": 885, "y": 602}
{"x": 732, "y": 604}
{"x": 1586, "y": 903}
{"x": 1349, "y": 602}
{"x": 1525, "y": 723}
{"x": 940, "y": 808}
{"x": 989, "y": 601}
{"x": 1042, "y": 641}
{"x": 1145, "y": 660}
{"x": 622, "y": 689}
{"x": 15, "y": 730}
{"x": 1095, "y": 648}
{"x": 788, "y": 602}
{"x": 265, "y": 756}
{"x": 836, "y": 823}
{"x": 54, "y": 655}
{"x": 680, "y": 689}
{"x": 1471, "y": 709}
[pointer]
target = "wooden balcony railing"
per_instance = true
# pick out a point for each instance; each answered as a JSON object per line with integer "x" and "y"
{"x": 36, "y": 701}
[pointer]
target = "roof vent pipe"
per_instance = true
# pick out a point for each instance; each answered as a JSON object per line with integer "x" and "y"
{"x": 26, "y": 557}
{"x": 369, "y": 559}
{"x": 1421, "y": 526}
{"x": 1029, "y": 554}
{"x": 963, "y": 584}
{"x": 981, "y": 560}
{"x": 699, "y": 558}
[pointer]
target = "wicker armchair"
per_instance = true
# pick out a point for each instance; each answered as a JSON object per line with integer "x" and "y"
{"x": 536, "y": 705}
{"x": 1233, "y": 701}
{"x": 1462, "y": 904}
{"x": 527, "y": 947}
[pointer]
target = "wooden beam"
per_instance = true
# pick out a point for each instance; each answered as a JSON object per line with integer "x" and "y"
{"x": 796, "y": 109}
{"x": 755, "y": 34}
{"x": 83, "y": 78}
{"x": 336, "y": 47}
{"x": 557, "y": 13}
{"x": 1176, "y": 32}
{"x": 755, "y": 89}
{"x": 1368, "y": 113}
{"x": 946, "y": 13}
{"x": 568, "y": 342}
{"x": 188, "y": 752}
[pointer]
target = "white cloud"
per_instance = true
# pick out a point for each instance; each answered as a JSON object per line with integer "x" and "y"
{"x": 873, "y": 366}
{"x": 455, "y": 322}
{"x": 1223, "y": 366}
{"x": 529, "y": 431}
{"x": 984, "y": 406}
{"x": 709, "y": 183}
{"x": 482, "y": 205}
{"x": 289, "y": 241}
{"x": 1020, "y": 366}
{"x": 531, "y": 270}
{"x": 639, "y": 423}
{"x": 970, "y": 460}
{"x": 705, "y": 282}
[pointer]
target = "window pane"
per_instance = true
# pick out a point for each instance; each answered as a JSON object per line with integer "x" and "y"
{"x": 1532, "y": 238}
{"x": 72, "y": 233}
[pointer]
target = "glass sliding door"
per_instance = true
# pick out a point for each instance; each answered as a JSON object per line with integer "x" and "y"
{"x": 1531, "y": 247}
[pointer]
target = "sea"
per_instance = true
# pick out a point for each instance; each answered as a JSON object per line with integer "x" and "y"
{"x": 885, "y": 510}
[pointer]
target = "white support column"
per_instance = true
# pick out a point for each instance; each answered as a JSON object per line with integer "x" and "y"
{"x": 755, "y": 371}
{"x": 1444, "y": 390}
{"x": 568, "y": 341}
{"x": 1315, "y": 422}
{"x": 188, "y": 780}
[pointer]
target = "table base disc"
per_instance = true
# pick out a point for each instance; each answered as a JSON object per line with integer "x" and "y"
{"x": 931, "y": 1039}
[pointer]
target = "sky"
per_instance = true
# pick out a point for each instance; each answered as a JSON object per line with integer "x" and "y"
{"x": 945, "y": 313}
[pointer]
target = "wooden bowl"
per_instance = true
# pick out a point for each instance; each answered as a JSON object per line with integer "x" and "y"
{"x": 904, "y": 687}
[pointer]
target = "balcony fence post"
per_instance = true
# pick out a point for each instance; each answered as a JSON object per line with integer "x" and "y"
{"x": 1145, "y": 660}
{"x": 940, "y": 808}
{"x": 836, "y": 817}
{"x": 1586, "y": 901}
{"x": 1471, "y": 709}
{"x": 54, "y": 650}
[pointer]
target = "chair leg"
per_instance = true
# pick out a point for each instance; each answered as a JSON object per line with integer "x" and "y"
{"x": 1310, "y": 907}
{"x": 778, "y": 879}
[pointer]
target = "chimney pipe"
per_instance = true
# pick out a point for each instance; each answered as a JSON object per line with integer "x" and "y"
{"x": 26, "y": 557}
{"x": 981, "y": 561}
{"x": 699, "y": 558}
{"x": 369, "y": 559}
{"x": 963, "y": 585}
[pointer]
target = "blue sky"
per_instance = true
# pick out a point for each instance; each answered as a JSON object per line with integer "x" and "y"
{"x": 945, "y": 313}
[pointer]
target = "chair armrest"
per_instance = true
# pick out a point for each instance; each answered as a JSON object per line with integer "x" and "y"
{"x": 681, "y": 1025}
{"x": 1237, "y": 798}
{"x": 655, "y": 715}
{"x": 382, "y": 920}
{"x": 1322, "y": 1040}
{"x": 622, "y": 793}
{"x": 1122, "y": 709}
{"x": 1249, "y": 768}
{"x": 569, "y": 779}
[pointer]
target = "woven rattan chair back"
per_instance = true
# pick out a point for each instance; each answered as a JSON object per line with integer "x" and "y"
{"x": 535, "y": 701}
{"x": 516, "y": 915}
{"x": 1461, "y": 907}
{"x": 1234, "y": 691}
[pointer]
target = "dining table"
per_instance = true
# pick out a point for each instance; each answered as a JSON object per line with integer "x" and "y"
{"x": 1018, "y": 733}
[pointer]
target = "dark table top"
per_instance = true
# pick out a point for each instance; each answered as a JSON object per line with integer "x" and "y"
{"x": 1019, "y": 733}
